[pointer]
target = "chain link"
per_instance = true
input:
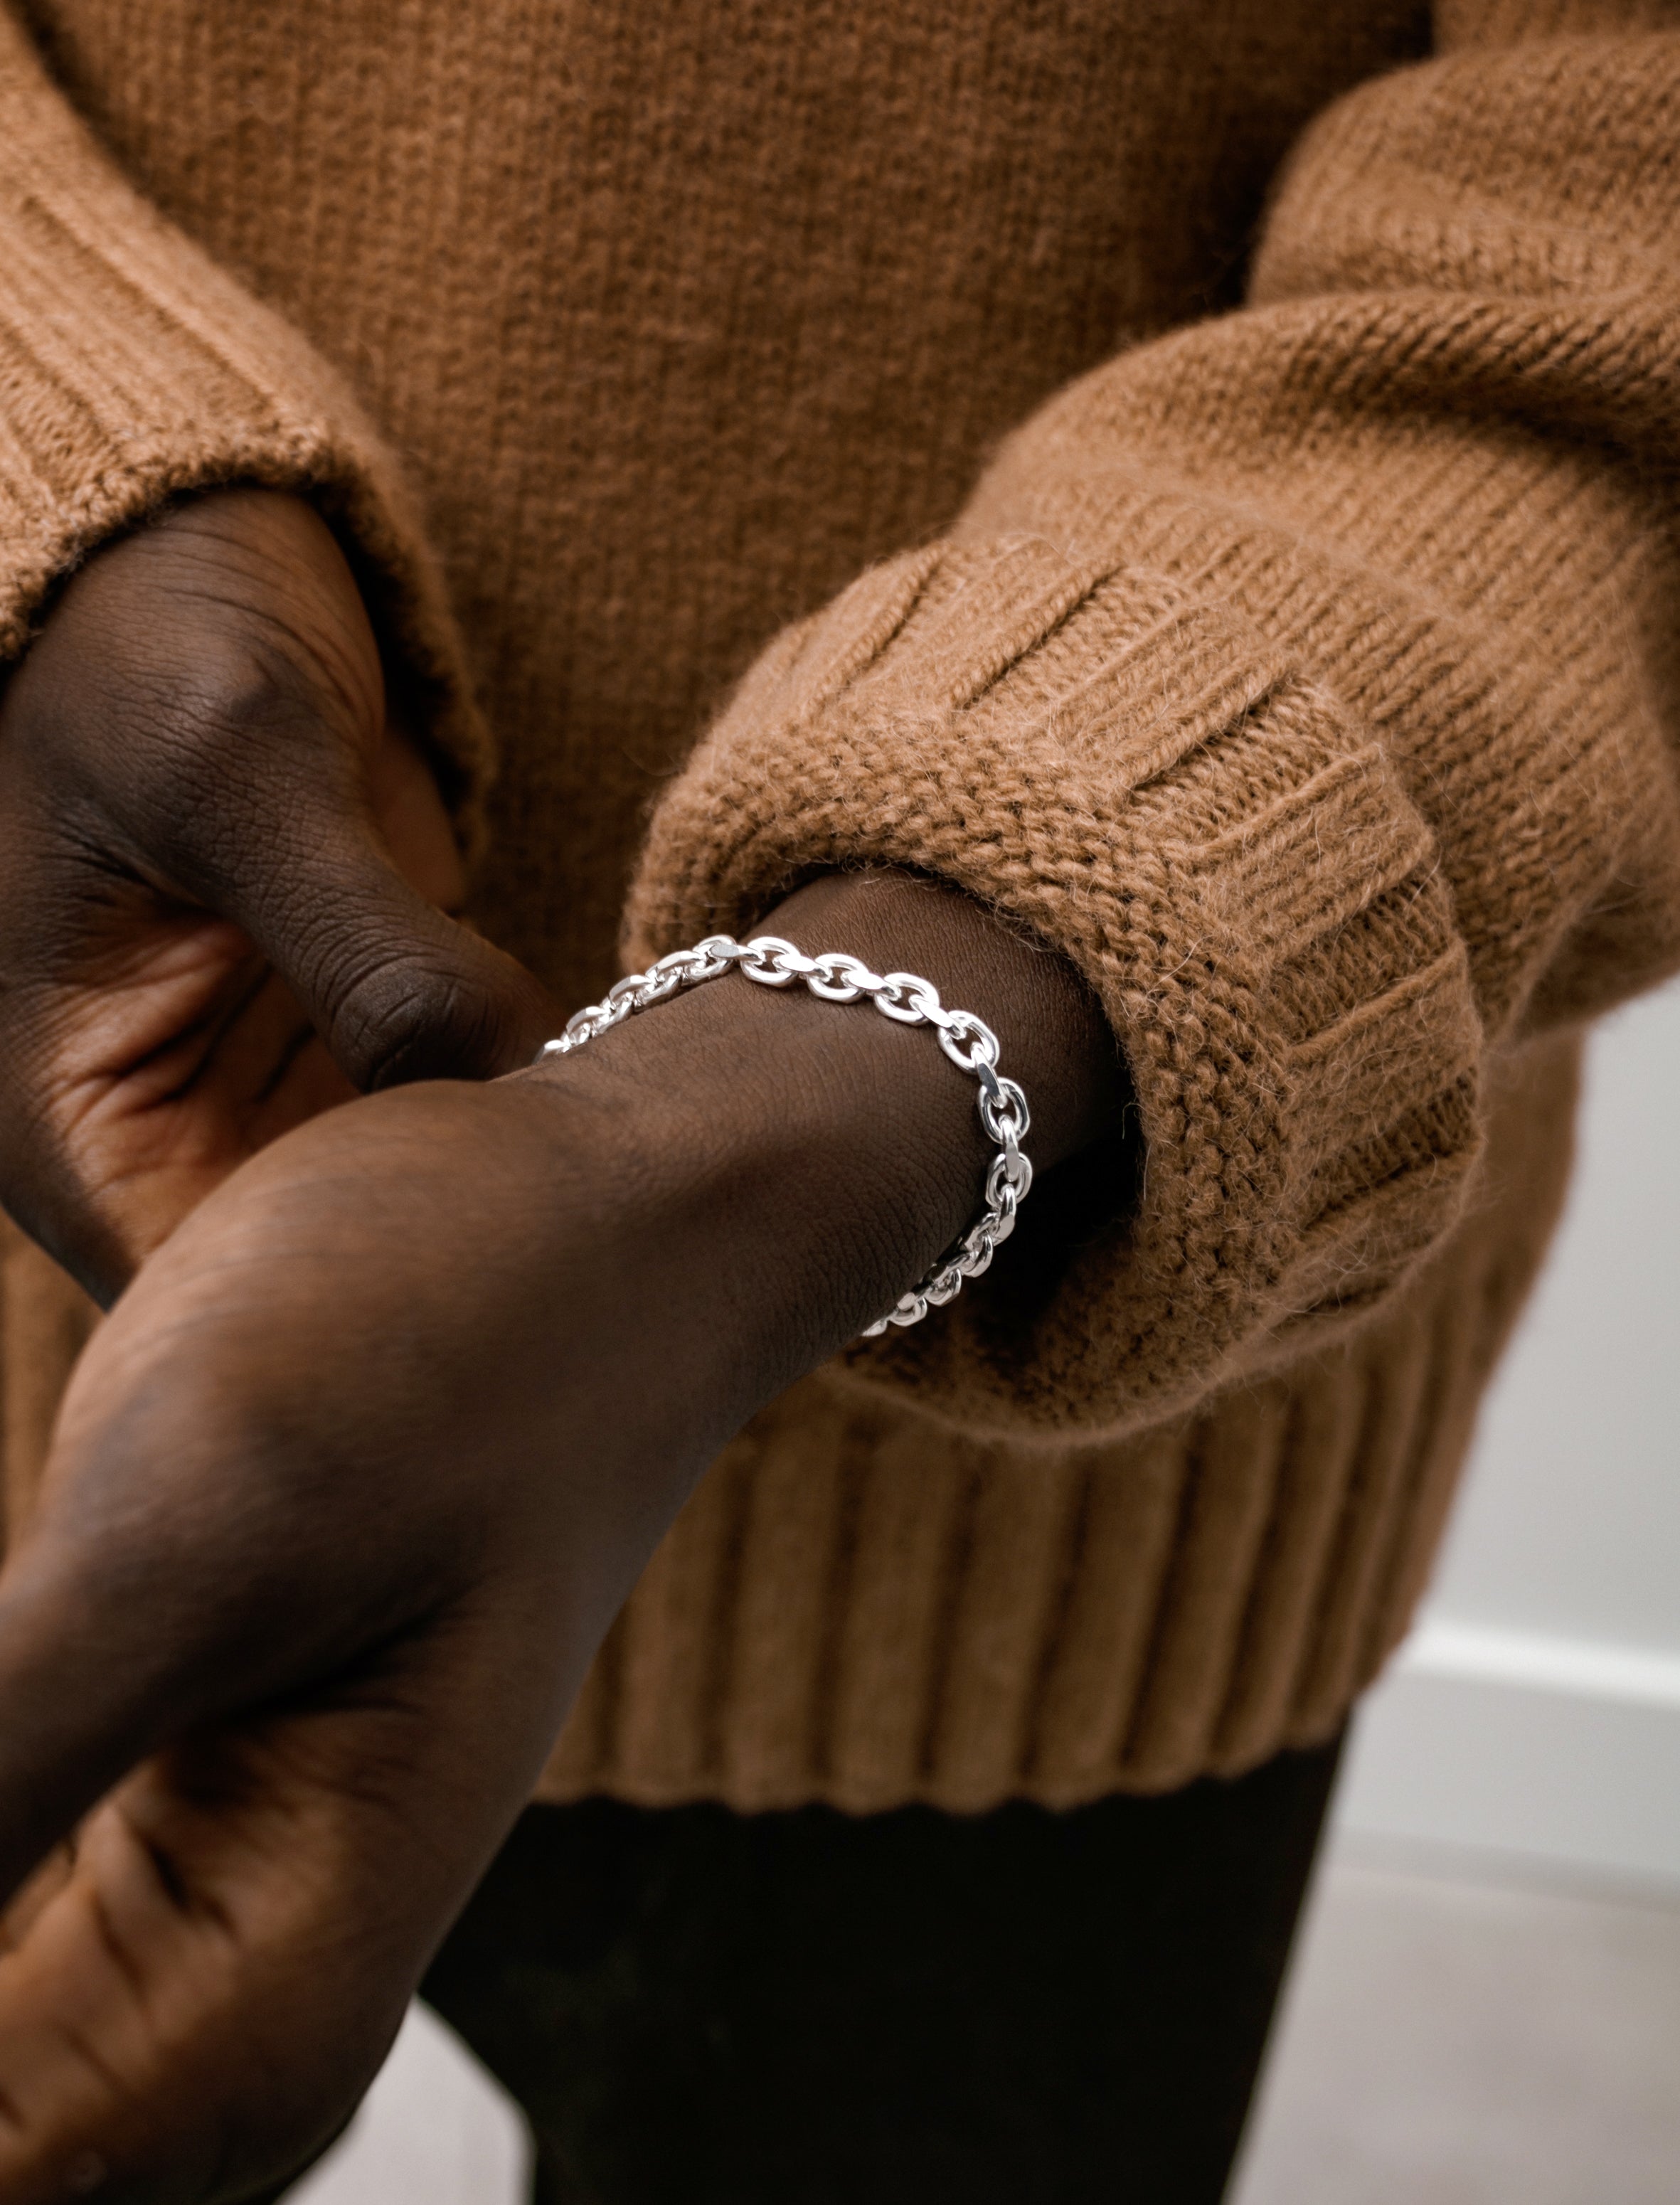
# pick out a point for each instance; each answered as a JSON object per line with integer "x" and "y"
{"x": 909, "y": 999}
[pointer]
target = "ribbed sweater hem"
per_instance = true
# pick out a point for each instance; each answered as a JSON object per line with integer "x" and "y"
{"x": 861, "y": 1608}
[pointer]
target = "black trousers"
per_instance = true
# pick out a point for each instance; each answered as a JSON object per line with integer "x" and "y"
{"x": 697, "y": 2007}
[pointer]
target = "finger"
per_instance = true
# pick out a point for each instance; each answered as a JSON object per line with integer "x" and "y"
{"x": 33, "y": 1901}
{"x": 407, "y": 808}
{"x": 349, "y": 890}
{"x": 139, "y": 1092}
{"x": 396, "y": 989}
{"x": 150, "y": 1144}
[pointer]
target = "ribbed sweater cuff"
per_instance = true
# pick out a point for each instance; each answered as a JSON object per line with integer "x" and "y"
{"x": 1159, "y": 794}
{"x": 133, "y": 371}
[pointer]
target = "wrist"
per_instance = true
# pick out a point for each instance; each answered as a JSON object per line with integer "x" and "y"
{"x": 1053, "y": 1036}
{"x": 816, "y": 1156}
{"x": 770, "y": 1175}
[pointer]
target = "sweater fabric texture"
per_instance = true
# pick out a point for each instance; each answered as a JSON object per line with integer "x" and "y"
{"x": 1199, "y": 477}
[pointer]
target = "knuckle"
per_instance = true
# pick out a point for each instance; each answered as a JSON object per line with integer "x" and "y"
{"x": 232, "y": 692}
{"x": 410, "y": 1017}
{"x": 194, "y": 754}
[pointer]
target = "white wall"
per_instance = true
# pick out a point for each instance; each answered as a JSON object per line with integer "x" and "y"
{"x": 1536, "y": 1710}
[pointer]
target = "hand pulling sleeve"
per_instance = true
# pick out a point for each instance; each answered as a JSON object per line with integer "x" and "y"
{"x": 1309, "y": 678}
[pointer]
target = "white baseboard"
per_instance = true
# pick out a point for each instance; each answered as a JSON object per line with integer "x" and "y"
{"x": 1561, "y": 1751}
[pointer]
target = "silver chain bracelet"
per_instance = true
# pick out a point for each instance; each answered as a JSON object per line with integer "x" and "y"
{"x": 968, "y": 1043}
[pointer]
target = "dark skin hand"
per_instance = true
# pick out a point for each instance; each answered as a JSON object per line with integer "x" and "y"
{"x": 221, "y": 868}
{"x": 349, "y": 1487}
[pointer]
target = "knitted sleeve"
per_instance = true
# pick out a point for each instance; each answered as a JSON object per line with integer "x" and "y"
{"x": 1308, "y": 677}
{"x": 132, "y": 370}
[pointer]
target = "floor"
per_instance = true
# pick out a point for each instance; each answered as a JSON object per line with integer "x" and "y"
{"x": 1453, "y": 2035}
{"x": 1451, "y": 2041}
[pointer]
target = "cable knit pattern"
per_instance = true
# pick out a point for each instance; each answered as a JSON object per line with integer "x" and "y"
{"x": 1283, "y": 401}
{"x": 866, "y": 1609}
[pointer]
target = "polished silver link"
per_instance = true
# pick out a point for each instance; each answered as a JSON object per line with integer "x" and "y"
{"x": 835, "y": 978}
{"x": 841, "y": 979}
{"x": 906, "y": 996}
{"x": 1003, "y": 1114}
{"x": 957, "y": 1027}
{"x": 772, "y": 962}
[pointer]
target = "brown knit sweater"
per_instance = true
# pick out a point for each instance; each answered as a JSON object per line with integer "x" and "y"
{"x": 1217, "y": 461}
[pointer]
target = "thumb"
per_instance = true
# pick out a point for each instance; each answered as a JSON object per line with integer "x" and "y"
{"x": 397, "y": 989}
